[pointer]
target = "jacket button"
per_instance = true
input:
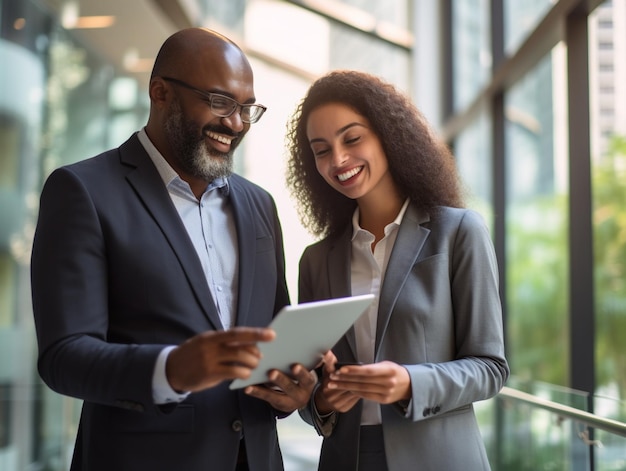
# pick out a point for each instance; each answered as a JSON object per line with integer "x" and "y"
{"x": 237, "y": 426}
{"x": 426, "y": 412}
{"x": 436, "y": 409}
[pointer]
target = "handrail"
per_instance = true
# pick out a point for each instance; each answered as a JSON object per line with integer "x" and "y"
{"x": 595, "y": 421}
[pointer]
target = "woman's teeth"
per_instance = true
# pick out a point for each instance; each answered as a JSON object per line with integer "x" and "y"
{"x": 342, "y": 177}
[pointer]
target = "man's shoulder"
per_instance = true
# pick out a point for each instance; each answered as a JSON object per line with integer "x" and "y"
{"x": 99, "y": 171}
{"x": 107, "y": 159}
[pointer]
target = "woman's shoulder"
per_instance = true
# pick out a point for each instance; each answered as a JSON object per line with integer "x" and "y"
{"x": 458, "y": 215}
{"x": 327, "y": 243}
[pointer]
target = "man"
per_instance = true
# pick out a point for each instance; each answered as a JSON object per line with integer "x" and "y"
{"x": 154, "y": 273}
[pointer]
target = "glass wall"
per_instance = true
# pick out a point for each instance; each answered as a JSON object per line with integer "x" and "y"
{"x": 471, "y": 61}
{"x": 474, "y": 159}
{"x": 536, "y": 227}
{"x": 57, "y": 105}
{"x": 607, "y": 46}
{"x": 535, "y": 127}
{"x": 520, "y": 19}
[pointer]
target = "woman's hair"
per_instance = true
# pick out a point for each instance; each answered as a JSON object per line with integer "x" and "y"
{"x": 421, "y": 165}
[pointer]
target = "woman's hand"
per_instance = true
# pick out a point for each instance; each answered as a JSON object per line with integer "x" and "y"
{"x": 329, "y": 400}
{"x": 385, "y": 382}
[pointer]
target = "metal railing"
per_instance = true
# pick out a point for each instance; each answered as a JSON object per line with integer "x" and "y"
{"x": 589, "y": 419}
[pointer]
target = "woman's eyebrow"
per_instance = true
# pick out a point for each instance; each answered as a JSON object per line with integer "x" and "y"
{"x": 339, "y": 131}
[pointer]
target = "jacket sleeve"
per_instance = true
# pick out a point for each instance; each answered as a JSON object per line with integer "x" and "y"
{"x": 477, "y": 369}
{"x": 70, "y": 304}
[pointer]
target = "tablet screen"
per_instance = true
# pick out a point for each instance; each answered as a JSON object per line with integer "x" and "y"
{"x": 304, "y": 333}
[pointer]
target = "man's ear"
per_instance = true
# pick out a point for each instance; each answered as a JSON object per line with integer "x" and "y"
{"x": 158, "y": 91}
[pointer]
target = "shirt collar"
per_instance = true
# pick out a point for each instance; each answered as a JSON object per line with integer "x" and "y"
{"x": 356, "y": 228}
{"x": 167, "y": 173}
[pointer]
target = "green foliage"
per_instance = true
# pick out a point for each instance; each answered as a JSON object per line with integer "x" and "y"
{"x": 537, "y": 279}
{"x": 609, "y": 218}
{"x": 537, "y": 289}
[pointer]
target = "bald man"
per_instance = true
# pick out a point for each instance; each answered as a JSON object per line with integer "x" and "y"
{"x": 155, "y": 270}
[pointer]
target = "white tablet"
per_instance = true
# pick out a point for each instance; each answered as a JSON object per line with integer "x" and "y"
{"x": 304, "y": 332}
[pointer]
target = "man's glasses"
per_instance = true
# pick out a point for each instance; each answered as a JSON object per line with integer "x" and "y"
{"x": 224, "y": 106}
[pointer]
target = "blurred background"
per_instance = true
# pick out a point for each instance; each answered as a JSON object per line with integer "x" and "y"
{"x": 529, "y": 94}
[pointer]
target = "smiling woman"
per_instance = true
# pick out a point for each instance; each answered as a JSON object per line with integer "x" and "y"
{"x": 373, "y": 180}
{"x": 350, "y": 156}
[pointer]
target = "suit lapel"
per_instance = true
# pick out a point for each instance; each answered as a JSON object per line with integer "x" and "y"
{"x": 246, "y": 235}
{"x": 409, "y": 243}
{"x": 147, "y": 182}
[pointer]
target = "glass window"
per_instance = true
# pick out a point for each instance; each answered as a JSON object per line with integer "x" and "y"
{"x": 472, "y": 150}
{"x": 607, "y": 84}
{"x": 471, "y": 50}
{"x": 324, "y": 44}
{"x": 520, "y": 18}
{"x": 537, "y": 223}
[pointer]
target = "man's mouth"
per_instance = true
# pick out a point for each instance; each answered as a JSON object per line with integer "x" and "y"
{"x": 219, "y": 137}
{"x": 342, "y": 177}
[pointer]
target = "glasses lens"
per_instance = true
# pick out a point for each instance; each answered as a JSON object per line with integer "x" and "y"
{"x": 222, "y": 105}
{"x": 225, "y": 106}
{"x": 252, "y": 113}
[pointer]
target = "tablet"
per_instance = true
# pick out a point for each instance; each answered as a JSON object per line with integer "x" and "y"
{"x": 304, "y": 332}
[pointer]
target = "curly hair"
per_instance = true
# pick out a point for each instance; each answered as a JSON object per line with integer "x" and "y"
{"x": 421, "y": 164}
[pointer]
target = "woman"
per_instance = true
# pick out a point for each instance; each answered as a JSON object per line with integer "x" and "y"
{"x": 382, "y": 193}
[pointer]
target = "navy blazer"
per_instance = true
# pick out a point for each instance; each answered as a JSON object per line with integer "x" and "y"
{"x": 440, "y": 316}
{"x": 115, "y": 278}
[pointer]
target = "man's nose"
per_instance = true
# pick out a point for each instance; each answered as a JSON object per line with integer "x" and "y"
{"x": 234, "y": 121}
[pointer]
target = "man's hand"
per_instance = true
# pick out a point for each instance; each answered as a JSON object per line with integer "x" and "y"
{"x": 286, "y": 392}
{"x": 209, "y": 358}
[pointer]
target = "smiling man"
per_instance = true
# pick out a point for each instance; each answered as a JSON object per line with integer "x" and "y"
{"x": 155, "y": 270}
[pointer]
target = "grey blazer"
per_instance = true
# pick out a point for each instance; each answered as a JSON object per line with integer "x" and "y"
{"x": 115, "y": 278}
{"x": 439, "y": 316}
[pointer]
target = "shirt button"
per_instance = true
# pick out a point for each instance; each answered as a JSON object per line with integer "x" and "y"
{"x": 237, "y": 426}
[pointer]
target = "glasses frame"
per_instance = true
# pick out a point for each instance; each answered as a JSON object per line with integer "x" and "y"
{"x": 208, "y": 96}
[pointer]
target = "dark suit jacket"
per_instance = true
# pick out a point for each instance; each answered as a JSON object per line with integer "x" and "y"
{"x": 440, "y": 316}
{"x": 115, "y": 278}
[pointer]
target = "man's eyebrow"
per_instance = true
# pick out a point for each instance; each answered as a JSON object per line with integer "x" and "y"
{"x": 341, "y": 130}
{"x": 217, "y": 91}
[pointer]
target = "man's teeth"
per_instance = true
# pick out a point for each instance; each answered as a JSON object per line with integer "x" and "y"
{"x": 349, "y": 174}
{"x": 220, "y": 138}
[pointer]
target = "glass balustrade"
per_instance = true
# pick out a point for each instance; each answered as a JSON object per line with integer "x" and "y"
{"x": 527, "y": 427}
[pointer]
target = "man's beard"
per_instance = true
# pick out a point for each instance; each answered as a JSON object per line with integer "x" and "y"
{"x": 191, "y": 152}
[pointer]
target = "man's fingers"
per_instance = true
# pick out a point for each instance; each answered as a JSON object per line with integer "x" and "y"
{"x": 303, "y": 376}
{"x": 245, "y": 335}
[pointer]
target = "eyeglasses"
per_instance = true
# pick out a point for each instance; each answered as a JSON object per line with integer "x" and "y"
{"x": 224, "y": 106}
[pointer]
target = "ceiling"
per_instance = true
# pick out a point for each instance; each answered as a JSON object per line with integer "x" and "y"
{"x": 131, "y": 42}
{"x": 139, "y": 27}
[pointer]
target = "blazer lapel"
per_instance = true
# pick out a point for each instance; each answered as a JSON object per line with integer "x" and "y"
{"x": 147, "y": 182}
{"x": 409, "y": 243}
{"x": 246, "y": 235}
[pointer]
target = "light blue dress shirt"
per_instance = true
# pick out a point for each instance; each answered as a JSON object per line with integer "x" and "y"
{"x": 211, "y": 227}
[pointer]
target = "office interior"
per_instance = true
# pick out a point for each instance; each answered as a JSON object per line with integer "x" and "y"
{"x": 529, "y": 94}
